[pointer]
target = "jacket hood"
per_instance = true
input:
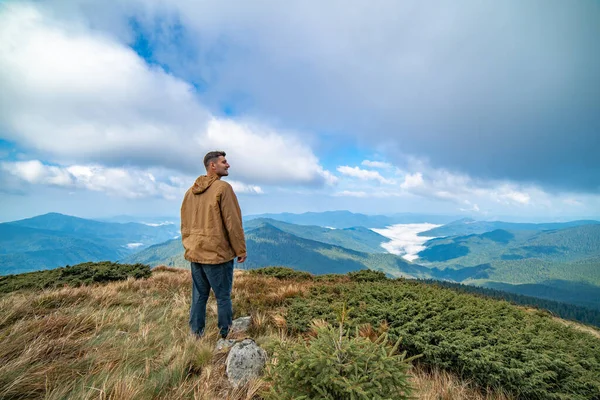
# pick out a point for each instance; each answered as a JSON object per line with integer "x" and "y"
{"x": 203, "y": 182}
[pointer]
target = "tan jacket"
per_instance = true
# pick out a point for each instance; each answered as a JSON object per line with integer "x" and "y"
{"x": 211, "y": 222}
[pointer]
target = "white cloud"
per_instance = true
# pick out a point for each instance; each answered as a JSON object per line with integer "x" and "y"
{"x": 349, "y": 193}
{"x": 121, "y": 182}
{"x": 78, "y": 96}
{"x": 405, "y": 241}
{"x": 240, "y": 187}
{"x": 364, "y": 174}
{"x": 412, "y": 181}
{"x": 513, "y": 195}
{"x": 377, "y": 164}
{"x": 468, "y": 194}
{"x": 257, "y": 153}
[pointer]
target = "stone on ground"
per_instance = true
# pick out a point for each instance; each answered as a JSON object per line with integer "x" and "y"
{"x": 246, "y": 360}
{"x": 241, "y": 324}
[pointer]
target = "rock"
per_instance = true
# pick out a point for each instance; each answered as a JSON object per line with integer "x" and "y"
{"x": 241, "y": 324}
{"x": 246, "y": 360}
{"x": 224, "y": 344}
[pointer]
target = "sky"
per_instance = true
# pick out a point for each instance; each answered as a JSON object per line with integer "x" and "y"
{"x": 482, "y": 109}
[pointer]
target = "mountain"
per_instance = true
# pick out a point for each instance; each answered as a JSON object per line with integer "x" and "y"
{"x": 53, "y": 240}
{"x": 563, "y": 245}
{"x": 561, "y": 265}
{"x": 355, "y": 238}
{"x": 268, "y": 245}
{"x": 467, "y": 226}
{"x": 347, "y": 219}
{"x": 118, "y": 233}
{"x": 169, "y": 253}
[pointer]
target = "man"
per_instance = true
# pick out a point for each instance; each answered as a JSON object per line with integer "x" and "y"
{"x": 212, "y": 236}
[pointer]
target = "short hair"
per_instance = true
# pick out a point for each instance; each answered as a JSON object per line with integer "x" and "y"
{"x": 212, "y": 156}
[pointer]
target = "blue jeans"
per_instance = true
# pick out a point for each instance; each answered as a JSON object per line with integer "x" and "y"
{"x": 219, "y": 277}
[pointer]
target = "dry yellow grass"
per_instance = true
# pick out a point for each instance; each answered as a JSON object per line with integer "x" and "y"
{"x": 130, "y": 340}
{"x": 440, "y": 385}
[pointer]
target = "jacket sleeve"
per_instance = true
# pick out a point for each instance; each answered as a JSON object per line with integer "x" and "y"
{"x": 232, "y": 219}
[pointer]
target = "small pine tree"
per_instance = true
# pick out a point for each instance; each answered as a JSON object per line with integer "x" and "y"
{"x": 332, "y": 365}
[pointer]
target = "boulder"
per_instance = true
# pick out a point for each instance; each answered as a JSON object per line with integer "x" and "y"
{"x": 241, "y": 324}
{"x": 246, "y": 360}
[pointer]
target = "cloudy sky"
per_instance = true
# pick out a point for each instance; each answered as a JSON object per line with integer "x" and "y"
{"x": 477, "y": 108}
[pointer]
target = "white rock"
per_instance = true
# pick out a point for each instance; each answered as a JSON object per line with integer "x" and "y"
{"x": 241, "y": 324}
{"x": 246, "y": 360}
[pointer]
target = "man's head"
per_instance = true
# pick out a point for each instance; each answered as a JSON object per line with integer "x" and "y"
{"x": 216, "y": 164}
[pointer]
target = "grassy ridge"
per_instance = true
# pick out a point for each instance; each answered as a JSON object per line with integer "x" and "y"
{"x": 129, "y": 339}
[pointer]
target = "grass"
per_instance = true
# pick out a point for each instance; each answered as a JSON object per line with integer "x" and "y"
{"x": 130, "y": 340}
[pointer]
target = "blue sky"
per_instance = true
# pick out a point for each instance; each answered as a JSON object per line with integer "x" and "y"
{"x": 481, "y": 109}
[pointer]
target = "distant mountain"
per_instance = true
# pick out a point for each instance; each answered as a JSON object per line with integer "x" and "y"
{"x": 268, "y": 246}
{"x": 53, "y": 240}
{"x": 153, "y": 221}
{"x": 347, "y": 219}
{"x": 578, "y": 293}
{"x": 562, "y": 245}
{"x": 467, "y": 226}
{"x": 120, "y": 233}
{"x": 169, "y": 253}
{"x": 521, "y": 261}
{"x": 355, "y": 238}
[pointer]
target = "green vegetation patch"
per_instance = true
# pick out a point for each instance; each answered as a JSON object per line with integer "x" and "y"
{"x": 367, "y": 275}
{"x": 76, "y": 275}
{"x": 490, "y": 342}
{"x": 334, "y": 365}
{"x": 282, "y": 273}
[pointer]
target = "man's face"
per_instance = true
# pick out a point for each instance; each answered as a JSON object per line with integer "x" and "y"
{"x": 220, "y": 167}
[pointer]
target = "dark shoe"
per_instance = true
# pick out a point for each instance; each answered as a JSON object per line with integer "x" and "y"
{"x": 197, "y": 335}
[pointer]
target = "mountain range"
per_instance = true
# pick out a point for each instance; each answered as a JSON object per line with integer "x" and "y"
{"x": 558, "y": 262}
{"x": 53, "y": 240}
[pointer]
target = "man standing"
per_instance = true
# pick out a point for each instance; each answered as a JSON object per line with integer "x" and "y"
{"x": 212, "y": 236}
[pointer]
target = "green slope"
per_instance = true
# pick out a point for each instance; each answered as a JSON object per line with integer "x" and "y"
{"x": 561, "y": 265}
{"x": 564, "y": 245}
{"x": 354, "y": 238}
{"x": 168, "y": 253}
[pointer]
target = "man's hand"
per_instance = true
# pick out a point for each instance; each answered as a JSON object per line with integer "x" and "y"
{"x": 241, "y": 259}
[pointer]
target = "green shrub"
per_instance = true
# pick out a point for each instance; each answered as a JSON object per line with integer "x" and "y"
{"x": 76, "y": 275}
{"x": 367, "y": 275}
{"x": 335, "y": 366}
{"x": 282, "y": 273}
{"x": 330, "y": 278}
{"x": 490, "y": 342}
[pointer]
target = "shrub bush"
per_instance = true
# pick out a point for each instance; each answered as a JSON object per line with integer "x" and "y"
{"x": 282, "y": 273}
{"x": 367, "y": 275}
{"x": 489, "y": 342}
{"x": 76, "y": 275}
{"x": 332, "y": 365}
